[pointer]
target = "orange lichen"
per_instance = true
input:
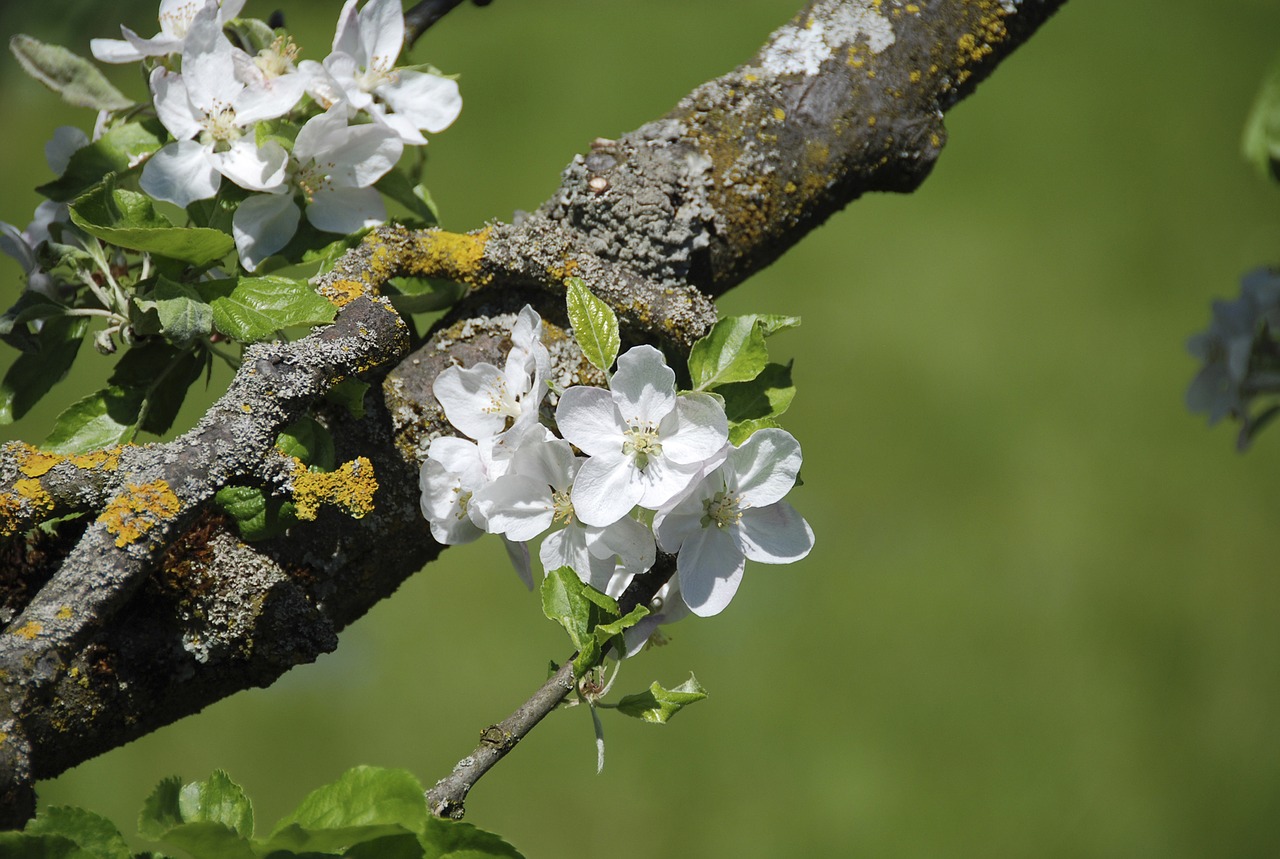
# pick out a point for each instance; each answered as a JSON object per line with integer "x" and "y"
{"x": 342, "y": 292}
{"x": 139, "y": 509}
{"x": 351, "y": 487}
{"x": 456, "y": 256}
{"x": 32, "y": 461}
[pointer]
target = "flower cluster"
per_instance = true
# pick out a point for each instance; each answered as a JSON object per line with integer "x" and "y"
{"x": 635, "y": 467}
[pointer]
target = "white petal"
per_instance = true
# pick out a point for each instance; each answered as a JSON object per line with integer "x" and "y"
{"x": 207, "y": 66}
{"x": 518, "y": 507}
{"x": 427, "y": 101}
{"x": 114, "y": 50}
{"x": 172, "y": 105}
{"x": 695, "y": 430}
{"x": 362, "y": 155}
{"x": 606, "y": 489}
{"x": 262, "y": 225}
{"x": 322, "y": 86}
{"x": 776, "y": 534}
{"x": 180, "y": 173}
{"x": 664, "y": 480}
{"x": 381, "y": 32}
{"x": 67, "y": 139}
{"x": 475, "y": 399}
{"x": 568, "y": 548}
{"x": 320, "y": 134}
{"x": 710, "y": 568}
{"x": 519, "y": 555}
{"x": 588, "y": 418}
{"x": 551, "y": 463}
{"x": 276, "y": 98}
{"x": 681, "y": 522}
{"x": 252, "y": 167}
{"x": 442, "y": 507}
{"x": 461, "y": 457}
{"x": 229, "y": 9}
{"x": 400, "y": 125}
{"x": 644, "y": 386}
{"x": 346, "y": 210}
{"x": 627, "y": 539}
{"x": 346, "y": 38}
{"x": 14, "y": 244}
{"x": 764, "y": 468}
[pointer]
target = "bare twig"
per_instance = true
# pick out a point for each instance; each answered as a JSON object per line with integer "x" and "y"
{"x": 423, "y": 15}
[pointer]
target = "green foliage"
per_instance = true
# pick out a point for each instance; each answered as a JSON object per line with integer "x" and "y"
{"x": 658, "y": 705}
{"x": 73, "y": 77}
{"x": 593, "y": 620}
{"x": 733, "y": 362}
{"x": 119, "y": 147}
{"x": 595, "y": 326}
{"x": 368, "y": 812}
{"x": 260, "y": 517}
{"x": 1261, "y": 143}
{"x": 29, "y": 378}
{"x": 256, "y": 308}
{"x": 127, "y": 219}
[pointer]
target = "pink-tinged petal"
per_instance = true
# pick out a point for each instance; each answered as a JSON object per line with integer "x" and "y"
{"x": 346, "y": 39}
{"x": 381, "y": 33}
{"x": 695, "y": 430}
{"x": 776, "y": 534}
{"x": 262, "y": 225}
{"x": 588, "y": 418}
{"x": 710, "y": 568}
{"x": 180, "y": 173}
{"x": 628, "y": 540}
{"x": 252, "y": 167}
{"x": 116, "y": 50}
{"x": 473, "y": 399}
{"x": 605, "y": 490}
{"x": 552, "y": 463}
{"x": 518, "y": 507}
{"x": 429, "y": 102}
{"x": 172, "y": 105}
{"x": 346, "y": 210}
{"x": 644, "y": 387}
{"x": 664, "y": 480}
{"x": 764, "y": 468}
{"x": 519, "y": 555}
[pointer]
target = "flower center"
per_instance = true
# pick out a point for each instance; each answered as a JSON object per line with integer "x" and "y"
{"x": 277, "y": 59}
{"x": 563, "y": 507}
{"x": 176, "y": 22}
{"x": 723, "y": 509}
{"x": 220, "y": 125}
{"x": 312, "y": 178}
{"x": 375, "y": 75}
{"x": 641, "y": 442}
{"x": 464, "y": 498}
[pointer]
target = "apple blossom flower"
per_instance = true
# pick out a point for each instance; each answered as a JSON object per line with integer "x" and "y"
{"x": 483, "y": 401}
{"x": 333, "y": 167}
{"x": 211, "y": 113}
{"x": 176, "y": 17}
{"x": 534, "y": 495}
{"x": 645, "y": 443}
{"x": 734, "y": 513}
{"x": 361, "y": 73}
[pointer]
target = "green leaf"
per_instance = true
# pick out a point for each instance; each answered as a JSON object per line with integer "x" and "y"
{"x": 365, "y": 804}
{"x": 734, "y": 350}
{"x": 33, "y": 373}
{"x": 606, "y": 631}
{"x": 1261, "y": 141}
{"x": 73, "y": 77}
{"x": 658, "y": 705}
{"x": 310, "y": 442}
{"x": 217, "y": 799}
{"x": 184, "y": 315}
{"x": 767, "y": 395}
{"x": 161, "y": 374}
{"x": 212, "y": 819}
{"x": 258, "y": 307}
{"x": 91, "y": 832}
{"x": 127, "y": 219}
{"x": 21, "y": 845}
{"x": 349, "y": 393}
{"x": 397, "y": 185}
{"x": 160, "y": 810}
{"x": 594, "y": 324}
{"x": 453, "y": 839}
{"x": 741, "y": 431}
{"x": 104, "y": 418}
{"x": 257, "y": 516}
{"x": 112, "y": 153}
{"x": 251, "y": 34}
{"x": 580, "y": 609}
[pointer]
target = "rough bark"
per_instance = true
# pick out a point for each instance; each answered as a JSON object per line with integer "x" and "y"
{"x": 108, "y": 640}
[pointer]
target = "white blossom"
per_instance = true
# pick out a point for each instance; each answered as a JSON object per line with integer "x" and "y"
{"x": 734, "y": 513}
{"x": 361, "y": 73}
{"x": 483, "y": 401}
{"x": 211, "y": 114}
{"x": 176, "y": 17}
{"x": 645, "y": 443}
{"x": 332, "y": 168}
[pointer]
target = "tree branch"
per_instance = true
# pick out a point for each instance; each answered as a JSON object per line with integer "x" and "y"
{"x": 424, "y": 14}
{"x": 845, "y": 99}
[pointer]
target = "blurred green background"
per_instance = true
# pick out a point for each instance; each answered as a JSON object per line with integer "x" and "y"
{"x": 1042, "y": 614}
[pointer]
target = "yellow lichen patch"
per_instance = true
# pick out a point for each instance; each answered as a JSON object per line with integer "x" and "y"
{"x": 64, "y": 612}
{"x": 138, "y": 510}
{"x": 914, "y": 77}
{"x": 855, "y": 59}
{"x": 790, "y": 187}
{"x": 455, "y": 256}
{"x": 342, "y": 292}
{"x": 871, "y": 121}
{"x": 246, "y": 408}
{"x": 34, "y": 462}
{"x": 913, "y": 8}
{"x": 107, "y": 459}
{"x": 779, "y": 114}
{"x": 33, "y": 492}
{"x": 29, "y": 631}
{"x": 351, "y": 487}
{"x": 564, "y": 270}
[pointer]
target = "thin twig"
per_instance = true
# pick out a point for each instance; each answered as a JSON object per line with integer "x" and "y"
{"x": 426, "y": 13}
{"x": 447, "y": 797}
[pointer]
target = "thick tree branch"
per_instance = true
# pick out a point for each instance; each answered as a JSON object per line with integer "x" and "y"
{"x": 847, "y": 98}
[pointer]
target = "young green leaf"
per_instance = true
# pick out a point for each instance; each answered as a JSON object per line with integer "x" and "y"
{"x": 212, "y": 819}
{"x": 364, "y": 805}
{"x": 77, "y": 80}
{"x": 595, "y": 326}
{"x": 113, "y": 152}
{"x": 742, "y": 430}
{"x": 92, "y": 833}
{"x": 453, "y": 839}
{"x": 258, "y": 307}
{"x": 606, "y": 631}
{"x": 127, "y": 219}
{"x": 33, "y": 373}
{"x": 580, "y": 609}
{"x": 767, "y": 395}
{"x": 658, "y": 705}
{"x": 106, "y": 417}
{"x": 257, "y": 516}
{"x": 310, "y": 442}
{"x": 160, "y": 374}
{"x": 217, "y": 799}
{"x": 734, "y": 350}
